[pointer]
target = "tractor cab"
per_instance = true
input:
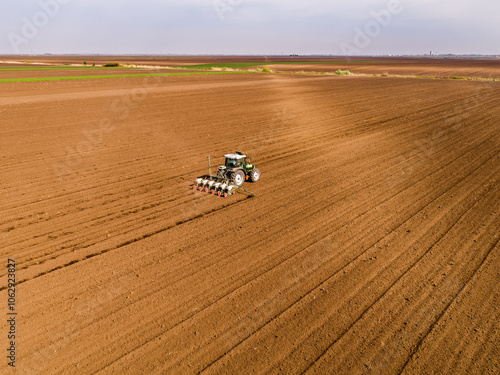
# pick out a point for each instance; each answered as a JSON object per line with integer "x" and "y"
{"x": 235, "y": 160}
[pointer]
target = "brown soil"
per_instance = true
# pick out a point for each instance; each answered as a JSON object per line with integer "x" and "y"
{"x": 372, "y": 245}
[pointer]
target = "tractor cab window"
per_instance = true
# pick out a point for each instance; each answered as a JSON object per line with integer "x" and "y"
{"x": 231, "y": 163}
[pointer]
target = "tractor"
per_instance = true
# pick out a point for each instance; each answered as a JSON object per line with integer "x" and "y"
{"x": 230, "y": 176}
{"x": 237, "y": 170}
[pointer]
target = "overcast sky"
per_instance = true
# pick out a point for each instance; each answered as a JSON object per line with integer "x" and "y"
{"x": 250, "y": 26}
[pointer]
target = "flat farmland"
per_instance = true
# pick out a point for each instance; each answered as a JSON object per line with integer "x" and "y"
{"x": 447, "y": 68}
{"x": 387, "y": 66}
{"x": 371, "y": 245}
{"x": 33, "y": 74}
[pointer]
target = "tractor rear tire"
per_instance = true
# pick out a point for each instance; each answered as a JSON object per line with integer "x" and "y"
{"x": 254, "y": 175}
{"x": 238, "y": 178}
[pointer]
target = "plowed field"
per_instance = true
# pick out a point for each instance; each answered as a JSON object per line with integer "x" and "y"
{"x": 371, "y": 246}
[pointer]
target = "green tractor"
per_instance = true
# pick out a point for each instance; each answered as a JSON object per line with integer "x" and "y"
{"x": 238, "y": 170}
{"x": 230, "y": 176}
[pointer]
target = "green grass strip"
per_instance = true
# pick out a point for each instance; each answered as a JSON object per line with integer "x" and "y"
{"x": 61, "y": 67}
{"x": 72, "y": 78}
{"x": 222, "y": 65}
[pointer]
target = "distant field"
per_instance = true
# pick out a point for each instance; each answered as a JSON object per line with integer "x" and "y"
{"x": 386, "y": 66}
{"x": 71, "y": 78}
{"x": 58, "y": 67}
{"x": 240, "y": 65}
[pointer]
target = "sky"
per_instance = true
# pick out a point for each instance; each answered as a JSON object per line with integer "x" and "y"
{"x": 250, "y": 27}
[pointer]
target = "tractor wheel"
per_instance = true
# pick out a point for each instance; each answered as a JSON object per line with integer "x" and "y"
{"x": 254, "y": 175}
{"x": 238, "y": 178}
